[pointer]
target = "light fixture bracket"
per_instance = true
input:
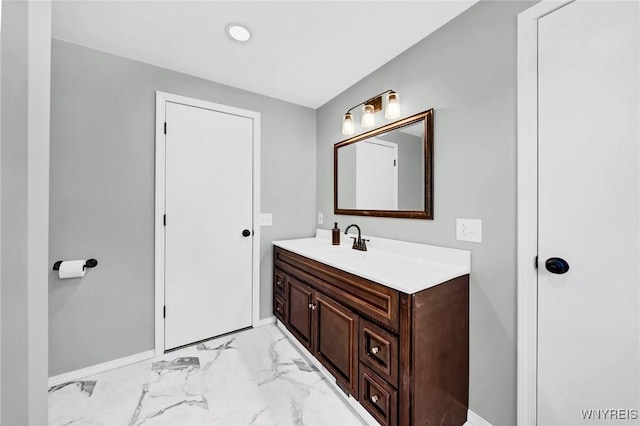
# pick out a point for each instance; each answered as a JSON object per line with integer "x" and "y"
{"x": 376, "y": 102}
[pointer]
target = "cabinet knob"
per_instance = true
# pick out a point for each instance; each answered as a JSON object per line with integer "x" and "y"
{"x": 375, "y": 350}
{"x": 375, "y": 398}
{"x": 312, "y": 306}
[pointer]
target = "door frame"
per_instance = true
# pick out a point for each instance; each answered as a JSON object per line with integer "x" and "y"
{"x": 161, "y": 99}
{"x": 527, "y": 207}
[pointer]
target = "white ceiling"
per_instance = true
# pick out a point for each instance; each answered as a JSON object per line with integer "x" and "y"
{"x": 305, "y": 52}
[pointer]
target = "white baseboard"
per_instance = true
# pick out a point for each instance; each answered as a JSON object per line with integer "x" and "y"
{"x": 266, "y": 321}
{"x": 475, "y": 420}
{"x": 100, "y": 368}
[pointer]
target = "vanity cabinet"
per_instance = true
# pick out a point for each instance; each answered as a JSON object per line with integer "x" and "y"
{"x": 404, "y": 357}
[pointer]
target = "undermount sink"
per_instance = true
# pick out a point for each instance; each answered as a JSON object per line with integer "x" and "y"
{"x": 404, "y": 266}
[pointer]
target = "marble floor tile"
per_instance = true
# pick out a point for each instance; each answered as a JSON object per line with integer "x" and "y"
{"x": 253, "y": 377}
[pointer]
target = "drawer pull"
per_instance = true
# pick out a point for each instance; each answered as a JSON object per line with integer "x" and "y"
{"x": 375, "y": 398}
{"x": 375, "y": 350}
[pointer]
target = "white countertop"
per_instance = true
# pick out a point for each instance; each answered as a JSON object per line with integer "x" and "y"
{"x": 404, "y": 266}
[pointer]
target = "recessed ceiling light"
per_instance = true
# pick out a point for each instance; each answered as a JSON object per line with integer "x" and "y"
{"x": 238, "y": 32}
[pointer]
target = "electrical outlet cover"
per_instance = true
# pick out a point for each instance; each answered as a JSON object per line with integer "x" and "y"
{"x": 469, "y": 230}
{"x": 266, "y": 219}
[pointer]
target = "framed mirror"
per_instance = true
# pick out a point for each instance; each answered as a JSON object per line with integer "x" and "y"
{"x": 386, "y": 172}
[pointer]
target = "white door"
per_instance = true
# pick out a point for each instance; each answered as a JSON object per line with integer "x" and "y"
{"x": 208, "y": 197}
{"x": 589, "y": 199}
{"x": 376, "y": 175}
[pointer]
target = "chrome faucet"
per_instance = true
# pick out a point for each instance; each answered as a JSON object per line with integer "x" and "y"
{"x": 358, "y": 243}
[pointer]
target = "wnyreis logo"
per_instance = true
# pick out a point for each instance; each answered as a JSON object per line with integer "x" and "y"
{"x": 609, "y": 414}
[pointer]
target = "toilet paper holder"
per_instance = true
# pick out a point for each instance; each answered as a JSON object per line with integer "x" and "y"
{"x": 91, "y": 263}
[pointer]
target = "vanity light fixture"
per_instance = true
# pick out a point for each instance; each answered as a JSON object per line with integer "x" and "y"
{"x": 369, "y": 108}
{"x": 368, "y": 119}
{"x": 348, "y": 127}
{"x": 238, "y": 32}
{"x": 393, "y": 106}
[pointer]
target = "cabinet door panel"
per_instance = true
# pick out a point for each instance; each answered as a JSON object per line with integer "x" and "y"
{"x": 336, "y": 344}
{"x": 299, "y": 319}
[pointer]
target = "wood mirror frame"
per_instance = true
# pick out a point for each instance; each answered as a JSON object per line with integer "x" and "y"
{"x": 427, "y": 213}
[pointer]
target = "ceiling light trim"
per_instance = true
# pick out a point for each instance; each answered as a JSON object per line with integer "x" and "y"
{"x": 239, "y": 33}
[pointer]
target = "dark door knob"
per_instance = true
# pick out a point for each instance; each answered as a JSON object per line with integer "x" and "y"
{"x": 246, "y": 233}
{"x": 556, "y": 265}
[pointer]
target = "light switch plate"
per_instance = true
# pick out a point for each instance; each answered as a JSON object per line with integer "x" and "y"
{"x": 469, "y": 230}
{"x": 266, "y": 219}
{"x": 320, "y": 219}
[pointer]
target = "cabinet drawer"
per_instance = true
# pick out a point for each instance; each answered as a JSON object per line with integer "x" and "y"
{"x": 279, "y": 307}
{"x": 379, "y": 351}
{"x": 378, "y": 397}
{"x": 279, "y": 283}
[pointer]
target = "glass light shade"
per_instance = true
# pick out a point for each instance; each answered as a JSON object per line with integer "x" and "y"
{"x": 368, "y": 119}
{"x": 348, "y": 126}
{"x": 393, "y": 106}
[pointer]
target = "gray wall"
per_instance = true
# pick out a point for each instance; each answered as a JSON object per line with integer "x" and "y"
{"x": 24, "y": 139}
{"x": 102, "y": 195}
{"x": 466, "y": 71}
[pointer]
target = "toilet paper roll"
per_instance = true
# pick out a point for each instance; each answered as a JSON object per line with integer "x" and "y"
{"x": 72, "y": 268}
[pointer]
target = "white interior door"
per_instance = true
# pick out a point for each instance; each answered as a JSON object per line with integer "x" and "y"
{"x": 588, "y": 321}
{"x": 208, "y": 197}
{"x": 376, "y": 175}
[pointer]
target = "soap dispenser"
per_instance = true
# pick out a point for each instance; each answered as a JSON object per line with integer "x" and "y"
{"x": 335, "y": 234}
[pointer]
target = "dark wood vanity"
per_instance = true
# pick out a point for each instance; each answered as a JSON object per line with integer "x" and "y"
{"x": 404, "y": 357}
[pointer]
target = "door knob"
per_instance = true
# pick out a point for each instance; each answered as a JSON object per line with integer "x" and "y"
{"x": 246, "y": 233}
{"x": 556, "y": 265}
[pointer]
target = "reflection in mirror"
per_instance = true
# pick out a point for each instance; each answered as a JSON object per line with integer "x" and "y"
{"x": 386, "y": 172}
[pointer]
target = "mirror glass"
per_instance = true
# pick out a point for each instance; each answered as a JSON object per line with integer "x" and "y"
{"x": 387, "y": 171}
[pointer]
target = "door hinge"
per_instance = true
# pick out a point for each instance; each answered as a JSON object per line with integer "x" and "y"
{"x": 394, "y": 163}
{"x": 165, "y": 127}
{"x": 164, "y": 311}
{"x": 164, "y": 220}
{"x": 535, "y": 262}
